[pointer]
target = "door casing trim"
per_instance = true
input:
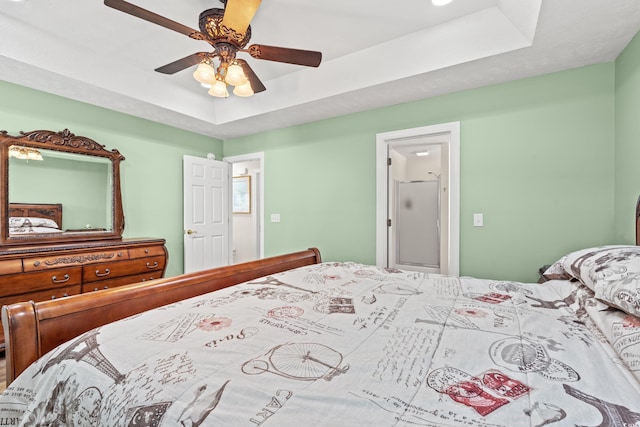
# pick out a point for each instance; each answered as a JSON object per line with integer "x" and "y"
{"x": 404, "y": 136}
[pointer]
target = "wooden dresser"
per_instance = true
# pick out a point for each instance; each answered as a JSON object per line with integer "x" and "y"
{"x": 43, "y": 272}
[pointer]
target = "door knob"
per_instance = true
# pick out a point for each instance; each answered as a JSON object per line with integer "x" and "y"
{"x": 190, "y": 232}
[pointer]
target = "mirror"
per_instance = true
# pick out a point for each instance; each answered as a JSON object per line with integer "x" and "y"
{"x": 58, "y": 187}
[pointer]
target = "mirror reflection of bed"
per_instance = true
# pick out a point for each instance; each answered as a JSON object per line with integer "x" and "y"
{"x": 28, "y": 218}
{"x": 25, "y": 218}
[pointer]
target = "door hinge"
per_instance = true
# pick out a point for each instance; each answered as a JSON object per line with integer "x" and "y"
{"x": 388, "y": 161}
{"x": 388, "y": 223}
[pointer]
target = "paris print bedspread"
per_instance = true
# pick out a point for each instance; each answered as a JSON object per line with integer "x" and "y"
{"x": 341, "y": 344}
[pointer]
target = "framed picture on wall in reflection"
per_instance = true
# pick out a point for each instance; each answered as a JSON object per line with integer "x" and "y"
{"x": 242, "y": 194}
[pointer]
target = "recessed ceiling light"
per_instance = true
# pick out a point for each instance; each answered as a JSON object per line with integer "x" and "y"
{"x": 421, "y": 153}
{"x": 440, "y": 2}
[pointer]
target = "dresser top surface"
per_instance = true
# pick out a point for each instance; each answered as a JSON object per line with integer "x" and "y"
{"x": 20, "y": 251}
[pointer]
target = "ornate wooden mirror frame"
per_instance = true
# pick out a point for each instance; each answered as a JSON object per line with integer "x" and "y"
{"x": 62, "y": 142}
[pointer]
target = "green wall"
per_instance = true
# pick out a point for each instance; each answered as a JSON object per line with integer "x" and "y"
{"x": 537, "y": 158}
{"x": 151, "y": 172}
{"x": 549, "y": 160}
{"x": 627, "y": 174}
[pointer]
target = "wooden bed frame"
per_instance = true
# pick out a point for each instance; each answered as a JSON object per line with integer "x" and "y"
{"x": 38, "y": 210}
{"x": 32, "y": 329}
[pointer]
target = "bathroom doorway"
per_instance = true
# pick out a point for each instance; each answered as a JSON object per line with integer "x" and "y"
{"x": 417, "y": 219}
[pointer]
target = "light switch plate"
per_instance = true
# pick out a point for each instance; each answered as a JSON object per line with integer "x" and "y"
{"x": 478, "y": 220}
{"x": 275, "y": 217}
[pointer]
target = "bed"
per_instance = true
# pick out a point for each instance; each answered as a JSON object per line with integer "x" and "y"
{"x": 292, "y": 341}
{"x": 26, "y": 218}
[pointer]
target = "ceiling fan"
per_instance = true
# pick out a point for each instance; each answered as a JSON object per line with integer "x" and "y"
{"x": 228, "y": 32}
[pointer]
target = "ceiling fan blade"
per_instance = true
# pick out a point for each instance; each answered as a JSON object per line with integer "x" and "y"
{"x": 147, "y": 15}
{"x": 183, "y": 63}
{"x": 255, "y": 82}
{"x": 239, "y": 13}
{"x": 308, "y": 58}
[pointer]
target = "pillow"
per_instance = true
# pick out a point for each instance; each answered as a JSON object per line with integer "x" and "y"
{"x": 556, "y": 271}
{"x": 602, "y": 263}
{"x": 612, "y": 272}
{"x": 623, "y": 293}
{"x": 21, "y": 221}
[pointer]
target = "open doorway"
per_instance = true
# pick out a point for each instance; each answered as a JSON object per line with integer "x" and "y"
{"x": 248, "y": 222}
{"x": 417, "y": 216}
{"x": 417, "y": 213}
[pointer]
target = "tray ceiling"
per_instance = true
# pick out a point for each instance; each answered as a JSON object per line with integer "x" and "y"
{"x": 375, "y": 54}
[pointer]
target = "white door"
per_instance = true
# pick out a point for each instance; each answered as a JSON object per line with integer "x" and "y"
{"x": 207, "y": 225}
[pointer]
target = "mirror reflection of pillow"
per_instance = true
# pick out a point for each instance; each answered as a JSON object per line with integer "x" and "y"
{"x": 35, "y": 230}
{"x": 22, "y": 221}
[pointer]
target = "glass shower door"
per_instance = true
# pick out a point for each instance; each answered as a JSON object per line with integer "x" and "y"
{"x": 418, "y": 223}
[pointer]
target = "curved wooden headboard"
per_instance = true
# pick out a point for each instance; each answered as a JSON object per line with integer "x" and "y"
{"x": 31, "y": 329}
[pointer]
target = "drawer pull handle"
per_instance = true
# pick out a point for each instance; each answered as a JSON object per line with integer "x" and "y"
{"x": 106, "y": 272}
{"x": 154, "y": 265}
{"x": 65, "y": 294}
{"x": 65, "y": 278}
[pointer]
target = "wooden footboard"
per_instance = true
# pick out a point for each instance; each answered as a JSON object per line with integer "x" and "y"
{"x": 32, "y": 329}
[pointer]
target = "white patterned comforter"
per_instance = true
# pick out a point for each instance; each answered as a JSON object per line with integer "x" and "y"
{"x": 344, "y": 344}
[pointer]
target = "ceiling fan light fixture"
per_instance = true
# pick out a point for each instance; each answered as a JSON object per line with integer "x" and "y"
{"x": 243, "y": 90}
{"x": 219, "y": 88}
{"x": 235, "y": 75}
{"x": 205, "y": 74}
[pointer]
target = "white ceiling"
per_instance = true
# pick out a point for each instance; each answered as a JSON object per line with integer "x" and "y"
{"x": 375, "y": 54}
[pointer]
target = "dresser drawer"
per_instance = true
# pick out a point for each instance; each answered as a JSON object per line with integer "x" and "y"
{"x": 146, "y": 251}
{"x": 11, "y": 266}
{"x": 38, "y": 296}
{"x": 57, "y": 261}
{"x": 44, "y": 295}
{"x": 121, "y": 281}
{"x": 108, "y": 270}
{"x": 27, "y": 283}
